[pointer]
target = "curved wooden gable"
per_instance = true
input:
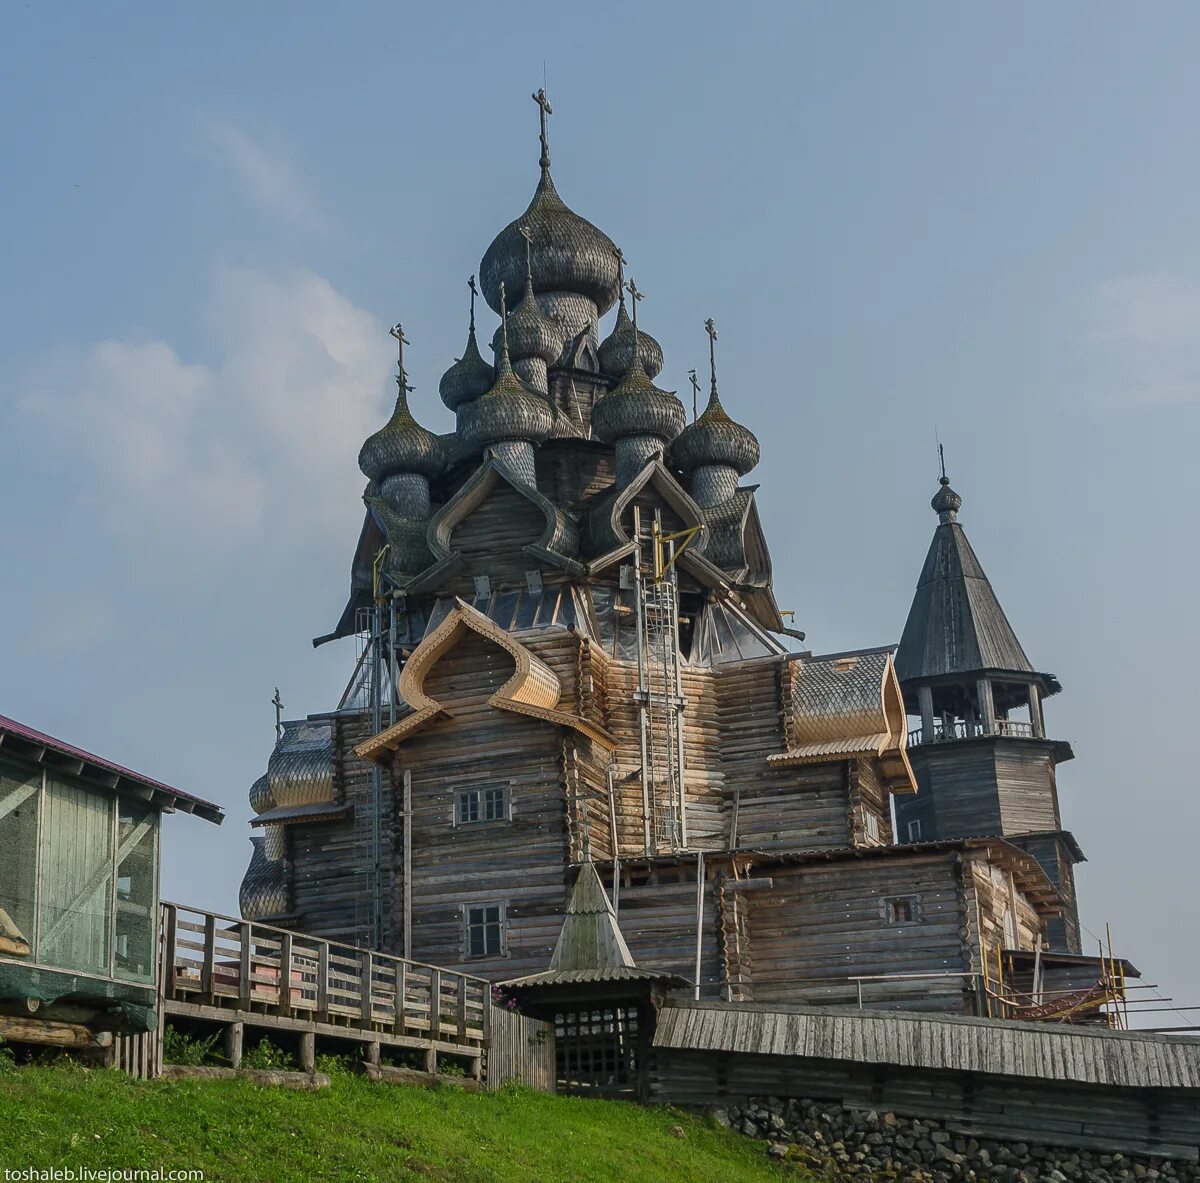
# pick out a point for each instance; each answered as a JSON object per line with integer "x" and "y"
{"x": 533, "y": 689}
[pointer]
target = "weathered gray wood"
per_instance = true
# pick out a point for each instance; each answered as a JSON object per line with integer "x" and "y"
{"x": 302, "y": 1081}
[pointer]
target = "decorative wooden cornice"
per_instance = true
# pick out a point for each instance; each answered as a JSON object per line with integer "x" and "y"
{"x": 533, "y": 689}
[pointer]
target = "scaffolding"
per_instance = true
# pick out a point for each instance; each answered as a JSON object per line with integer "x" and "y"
{"x": 659, "y": 696}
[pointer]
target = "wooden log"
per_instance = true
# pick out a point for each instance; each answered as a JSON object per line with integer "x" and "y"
{"x": 387, "y": 1074}
{"x": 233, "y": 1044}
{"x": 301, "y": 1081}
{"x": 14, "y": 1029}
{"x": 308, "y": 1051}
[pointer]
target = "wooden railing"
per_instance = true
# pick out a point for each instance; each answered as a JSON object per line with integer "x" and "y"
{"x": 969, "y": 729}
{"x": 222, "y": 961}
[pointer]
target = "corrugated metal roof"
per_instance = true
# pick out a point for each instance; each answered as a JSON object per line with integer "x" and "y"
{"x": 956, "y": 624}
{"x": 1126, "y": 1059}
{"x": 26, "y": 736}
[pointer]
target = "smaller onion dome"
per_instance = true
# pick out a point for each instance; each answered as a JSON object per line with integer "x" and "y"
{"x": 261, "y": 798}
{"x": 637, "y": 407}
{"x": 715, "y": 438}
{"x": 531, "y": 333}
{"x": 946, "y": 502}
{"x": 470, "y": 376}
{"x": 401, "y": 444}
{"x": 616, "y": 350}
{"x": 509, "y": 410}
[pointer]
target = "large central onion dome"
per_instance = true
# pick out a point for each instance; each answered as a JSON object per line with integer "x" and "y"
{"x": 572, "y": 254}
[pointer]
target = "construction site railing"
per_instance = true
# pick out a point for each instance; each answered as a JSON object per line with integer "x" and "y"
{"x": 220, "y": 960}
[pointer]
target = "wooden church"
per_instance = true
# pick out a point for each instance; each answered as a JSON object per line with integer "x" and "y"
{"x": 570, "y": 653}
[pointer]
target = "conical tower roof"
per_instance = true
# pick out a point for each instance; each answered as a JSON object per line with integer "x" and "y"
{"x": 955, "y": 625}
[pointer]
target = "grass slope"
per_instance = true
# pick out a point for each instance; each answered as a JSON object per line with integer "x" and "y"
{"x": 232, "y": 1130}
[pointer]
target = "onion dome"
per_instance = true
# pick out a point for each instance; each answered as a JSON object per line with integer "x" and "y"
{"x": 572, "y": 254}
{"x": 261, "y": 798}
{"x": 715, "y": 438}
{"x": 401, "y": 444}
{"x": 531, "y": 333}
{"x": 946, "y": 502}
{"x": 509, "y": 410}
{"x": 616, "y": 350}
{"x": 470, "y": 376}
{"x": 637, "y": 407}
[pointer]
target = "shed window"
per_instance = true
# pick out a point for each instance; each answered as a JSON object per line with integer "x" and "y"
{"x": 914, "y": 830}
{"x": 20, "y": 795}
{"x": 481, "y": 805}
{"x": 137, "y": 862}
{"x": 485, "y": 931}
{"x": 902, "y": 909}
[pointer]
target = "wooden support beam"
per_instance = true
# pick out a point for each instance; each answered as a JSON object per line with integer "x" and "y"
{"x": 308, "y": 1052}
{"x": 14, "y": 1029}
{"x": 234, "y": 1035}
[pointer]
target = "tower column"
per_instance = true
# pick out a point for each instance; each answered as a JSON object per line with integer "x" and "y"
{"x": 925, "y": 702}
{"x": 987, "y": 705}
{"x": 1035, "y": 711}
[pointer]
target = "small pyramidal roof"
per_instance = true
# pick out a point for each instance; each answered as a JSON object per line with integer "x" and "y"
{"x": 955, "y": 624}
{"x": 590, "y": 938}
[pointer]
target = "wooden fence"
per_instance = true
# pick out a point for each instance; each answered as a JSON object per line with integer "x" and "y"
{"x": 520, "y": 1049}
{"x": 222, "y": 962}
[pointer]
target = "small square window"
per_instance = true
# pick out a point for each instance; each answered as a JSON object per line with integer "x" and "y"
{"x": 485, "y": 931}
{"x": 914, "y": 830}
{"x": 494, "y": 805}
{"x": 467, "y": 807}
{"x": 901, "y": 910}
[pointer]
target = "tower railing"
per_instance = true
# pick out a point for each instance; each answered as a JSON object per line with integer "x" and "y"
{"x": 948, "y": 731}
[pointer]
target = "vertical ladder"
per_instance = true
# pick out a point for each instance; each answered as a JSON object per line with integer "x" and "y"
{"x": 660, "y": 689}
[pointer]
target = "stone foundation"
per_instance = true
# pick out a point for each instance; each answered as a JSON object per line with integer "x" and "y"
{"x": 849, "y": 1143}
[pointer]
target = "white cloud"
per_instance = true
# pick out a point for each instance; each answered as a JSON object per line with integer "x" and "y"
{"x": 260, "y": 444}
{"x": 1147, "y": 330}
{"x": 266, "y": 176}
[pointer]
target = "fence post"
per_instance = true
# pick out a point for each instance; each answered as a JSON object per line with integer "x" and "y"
{"x": 209, "y": 965}
{"x": 285, "y": 973}
{"x": 323, "y": 980}
{"x": 435, "y": 1004}
{"x": 462, "y": 1009}
{"x": 401, "y": 991}
{"x": 246, "y": 966}
{"x": 170, "y": 923}
{"x": 368, "y": 972}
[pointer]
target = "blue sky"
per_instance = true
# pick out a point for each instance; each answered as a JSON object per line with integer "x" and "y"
{"x": 906, "y": 219}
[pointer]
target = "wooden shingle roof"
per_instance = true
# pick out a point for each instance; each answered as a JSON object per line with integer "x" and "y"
{"x": 956, "y": 624}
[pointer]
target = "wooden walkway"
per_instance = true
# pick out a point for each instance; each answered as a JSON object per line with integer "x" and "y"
{"x": 257, "y": 979}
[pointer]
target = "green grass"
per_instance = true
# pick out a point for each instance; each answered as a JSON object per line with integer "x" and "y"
{"x": 233, "y": 1130}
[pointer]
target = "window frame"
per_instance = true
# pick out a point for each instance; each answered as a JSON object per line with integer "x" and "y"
{"x": 501, "y": 923}
{"x": 480, "y": 807}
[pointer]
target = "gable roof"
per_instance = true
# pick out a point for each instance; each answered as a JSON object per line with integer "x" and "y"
{"x": 956, "y": 624}
{"x": 25, "y": 742}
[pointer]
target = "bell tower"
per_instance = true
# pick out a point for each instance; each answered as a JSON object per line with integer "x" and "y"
{"x": 977, "y": 731}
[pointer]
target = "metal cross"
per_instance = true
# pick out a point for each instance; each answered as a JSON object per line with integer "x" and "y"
{"x": 710, "y": 328}
{"x": 474, "y": 289}
{"x": 632, "y": 288}
{"x": 942, "y": 458}
{"x": 527, "y": 235}
{"x": 544, "y": 109}
{"x": 695, "y": 393}
{"x": 277, "y": 702}
{"x": 620, "y": 256}
{"x": 397, "y": 331}
{"x": 504, "y": 318}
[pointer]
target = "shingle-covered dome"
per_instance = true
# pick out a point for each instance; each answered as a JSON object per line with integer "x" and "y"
{"x": 261, "y": 798}
{"x": 616, "y": 350}
{"x": 531, "y": 333}
{"x": 401, "y": 445}
{"x": 468, "y": 378}
{"x": 637, "y": 407}
{"x": 570, "y": 254}
{"x": 715, "y": 439}
{"x": 946, "y": 502}
{"x": 508, "y": 411}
